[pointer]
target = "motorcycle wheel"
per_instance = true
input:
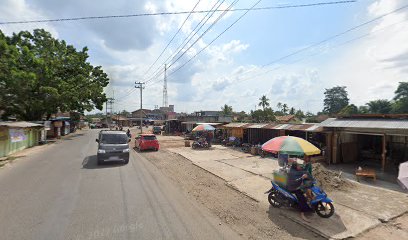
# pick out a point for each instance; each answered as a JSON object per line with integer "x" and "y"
{"x": 324, "y": 210}
{"x": 194, "y": 146}
{"x": 272, "y": 199}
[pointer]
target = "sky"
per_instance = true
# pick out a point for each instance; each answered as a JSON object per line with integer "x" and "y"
{"x": 266, "y": 52}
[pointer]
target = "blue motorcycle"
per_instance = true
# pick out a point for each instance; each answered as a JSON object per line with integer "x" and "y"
{"x": 321, "y": 204}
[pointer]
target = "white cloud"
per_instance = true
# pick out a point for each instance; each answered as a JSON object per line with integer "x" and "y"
{"x": 17, "y": 10}
{"x": 372, "y": 67}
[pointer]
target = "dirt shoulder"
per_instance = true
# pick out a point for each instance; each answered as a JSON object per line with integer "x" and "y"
{"x": 249, "y": 218}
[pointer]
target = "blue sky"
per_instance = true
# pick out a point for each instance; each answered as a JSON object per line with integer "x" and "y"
{"x": 230, "y": 70}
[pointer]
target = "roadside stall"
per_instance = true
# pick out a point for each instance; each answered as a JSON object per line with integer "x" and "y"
{"x": 16, "y": 136}
{"x": 238, "y": 130}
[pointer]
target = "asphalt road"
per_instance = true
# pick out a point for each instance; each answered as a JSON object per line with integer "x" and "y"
{"x": 60, "y": 192}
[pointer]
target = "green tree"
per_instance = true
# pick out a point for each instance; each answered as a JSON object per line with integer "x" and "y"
{"x": 363, "y": 110}
{"x": 349, "y": 110}
{"x": 266, "y": 115}
{"x": 292, "y": 111}
{"x": 311, "y": 118}
{"x": 242, "y": 116}
{"x": 264, "y": 102}
{"x": 336, "y": 99}
{"x": 279, "y": 106}
{"x": 226, "y": 110}
{"x": 285, "y": 108}
{"x": 381, "y": 106}
{"x": 299, "y": 114}
{"x": 401, "y": 98}
{"x": 45, "y": 75}
{"x": 124, "y": 113}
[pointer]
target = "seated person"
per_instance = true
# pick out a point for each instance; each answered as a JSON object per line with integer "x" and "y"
{"x": 307, "y": 182}
{"x": 296, "y": 173}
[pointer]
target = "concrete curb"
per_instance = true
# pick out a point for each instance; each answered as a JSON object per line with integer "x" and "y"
{"x": 226, "y": 183}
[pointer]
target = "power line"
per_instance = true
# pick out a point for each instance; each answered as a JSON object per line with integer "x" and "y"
{"x": 219, "y": 35}
{"x": 336, "y": 36}
{"x": 247, "y": 9}
{"x": 171, "y": 40}
{"x": 171, "y": 13}
{"x": 209, "y": 28}
{"x": 332, "y": 47}
{"x": 202, "y": 22}
{"x": 201, "y": 36}
{"x": 323, "y": 41}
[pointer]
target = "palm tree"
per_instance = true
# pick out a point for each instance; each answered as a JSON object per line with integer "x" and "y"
{"x": 226, "y": 110}
{"x": 285, "y": 108}
{"x": 264, "y": 102}
{"x": 381, "y": 106}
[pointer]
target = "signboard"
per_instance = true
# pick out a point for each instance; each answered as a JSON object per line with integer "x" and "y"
{"x": 17, "y": 135}
{"x": 47, "y": 125}
{"x": 58, "y": 124}
{"x": 3, "y": 134}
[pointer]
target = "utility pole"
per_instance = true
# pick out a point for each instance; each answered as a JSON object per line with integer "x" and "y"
{"x": 140, "y": 85}
{"x": 165, "y": 97}
{"x": 109, "y": 108}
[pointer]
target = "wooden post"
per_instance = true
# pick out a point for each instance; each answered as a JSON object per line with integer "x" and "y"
{"x": 335, "y": 147}
{"x": 329, "y": 147}
{"x": 384, "y": 152}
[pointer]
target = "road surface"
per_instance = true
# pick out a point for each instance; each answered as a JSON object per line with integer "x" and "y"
{"x": 61, "y": 193}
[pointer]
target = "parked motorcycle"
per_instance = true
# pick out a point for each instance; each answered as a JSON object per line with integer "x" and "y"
{"x": 246, "y": 147}
{"x": 321, "y": 204}
{"x": 199, "y": 144}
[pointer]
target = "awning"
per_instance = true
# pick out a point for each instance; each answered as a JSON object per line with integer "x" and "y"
{"x": 300, "y": 127}
{"x": 258, "y": 126}
{"x": 237, "y": 125}
{"x": 315, "y": 128}
{"x": 20, "y": 124}
{"x": 282, "y": 126}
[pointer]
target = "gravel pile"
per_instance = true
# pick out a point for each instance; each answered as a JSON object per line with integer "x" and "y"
{"x": 330, "y": 180}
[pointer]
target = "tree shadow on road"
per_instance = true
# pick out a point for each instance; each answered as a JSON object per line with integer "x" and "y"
{"x": 91, "y": 162}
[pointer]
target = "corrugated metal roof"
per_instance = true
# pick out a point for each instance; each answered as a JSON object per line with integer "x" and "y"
{"x": 258, "y": 125}
{"x": 20, "y": 124}
{"x": 270, "y": 126}
{"x": 212, "y": 124}
{"x": 285, "y": 118}
{"x": 237, "y": 125}
{"x": 300, "y": 127}
{"x": 282, "y": 126}
{"x": 315, "y": 128}
{"x": 366, "y": 123}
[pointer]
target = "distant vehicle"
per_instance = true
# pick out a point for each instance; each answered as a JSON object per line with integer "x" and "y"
{"x": 113, "y": 146}
{"x": 147, "y": 141}
{"x": 157, "y": 130}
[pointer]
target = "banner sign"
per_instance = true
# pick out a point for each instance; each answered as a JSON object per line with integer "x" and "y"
{"x": 3, "y": 134}
{"x": 17, "y": 135}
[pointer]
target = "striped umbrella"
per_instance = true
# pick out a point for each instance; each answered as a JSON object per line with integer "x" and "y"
{"x": 290, "y": 145}
{"x": 203, "y": 127}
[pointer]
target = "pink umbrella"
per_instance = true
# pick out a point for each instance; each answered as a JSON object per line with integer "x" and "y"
{"x": 403, "y": 175}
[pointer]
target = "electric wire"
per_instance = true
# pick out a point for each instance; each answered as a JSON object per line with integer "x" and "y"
{"x": 219, "y": 35}
{"x": 171, "y": 40}
{"x": 201, "y": 36}
{"x": 203, "y": 21}
{"x": 171, "y": 13}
